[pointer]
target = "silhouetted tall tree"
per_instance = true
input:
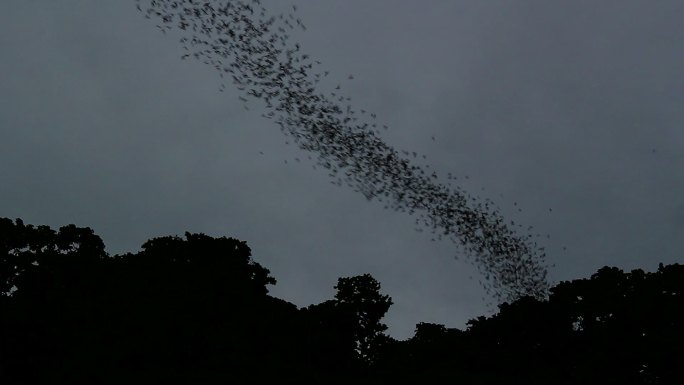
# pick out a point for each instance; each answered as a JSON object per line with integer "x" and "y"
{"x": 361, "y": 295}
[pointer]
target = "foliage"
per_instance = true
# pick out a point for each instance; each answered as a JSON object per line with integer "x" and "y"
{"x": 196, "y": 309}
{"x": 361, "y": 296}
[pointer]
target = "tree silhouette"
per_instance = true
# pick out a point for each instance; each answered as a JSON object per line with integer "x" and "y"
{"x": 25, "y": 248}
{"x": 192, "y": 309}
{"x": 253, "y": 50}
{"x": 331, "y": 340}
{"x": 361, "y": 296}
{"x": 608, "y": 329}
{"x": 181, "y": 310}
{"x": 196, "y": 309}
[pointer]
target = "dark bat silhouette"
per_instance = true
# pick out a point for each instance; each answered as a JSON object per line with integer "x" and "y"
{"x": 253, "y": 50}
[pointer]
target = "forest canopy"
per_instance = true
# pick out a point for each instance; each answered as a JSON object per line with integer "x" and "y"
{"x": 196, "y": 309}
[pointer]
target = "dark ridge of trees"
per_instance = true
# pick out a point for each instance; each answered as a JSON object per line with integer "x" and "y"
{"x": 253, "y": 50}
{"x": 196, "y": 310}
{"x": 612, "y": 328}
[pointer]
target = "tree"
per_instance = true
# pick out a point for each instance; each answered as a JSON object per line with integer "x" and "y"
{"x": 217, "y": 262}
{"x": 330, "y": 340}
{"x": 32, "y": 255}
{"x": 182, "y": 308}
{"x": 361, "y": 296}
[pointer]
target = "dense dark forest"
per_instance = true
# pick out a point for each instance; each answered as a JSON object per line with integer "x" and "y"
{"x": 196, "y": 310}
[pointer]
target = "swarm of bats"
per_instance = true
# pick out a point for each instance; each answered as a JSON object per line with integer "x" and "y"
{"x": 252, "y": 50}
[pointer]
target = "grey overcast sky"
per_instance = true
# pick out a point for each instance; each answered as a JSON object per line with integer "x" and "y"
{"x": 567, "y": 114}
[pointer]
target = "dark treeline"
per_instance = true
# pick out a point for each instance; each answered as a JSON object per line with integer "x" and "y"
{"x": 196, "y": 310}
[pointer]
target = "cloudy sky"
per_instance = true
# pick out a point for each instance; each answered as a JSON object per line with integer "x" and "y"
{"x": 567, "y": 114}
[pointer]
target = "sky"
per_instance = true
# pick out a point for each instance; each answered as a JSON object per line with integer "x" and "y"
{"x": 568, "y": 115}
